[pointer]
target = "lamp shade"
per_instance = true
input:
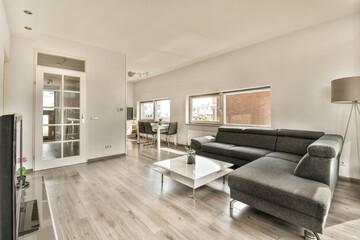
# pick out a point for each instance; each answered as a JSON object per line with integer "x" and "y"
{"x": 345, "y": 90}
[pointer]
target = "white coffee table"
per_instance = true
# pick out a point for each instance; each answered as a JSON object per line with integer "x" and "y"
{"x": 204, "y": 171}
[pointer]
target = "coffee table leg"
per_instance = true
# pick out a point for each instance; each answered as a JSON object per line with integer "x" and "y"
{"x": 162, "y": 180}
{"x": 194, "y": 194}
{"x": 224, "y": 178}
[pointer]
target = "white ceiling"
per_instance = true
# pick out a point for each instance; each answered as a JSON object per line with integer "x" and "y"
{"x": 162, "y": 35}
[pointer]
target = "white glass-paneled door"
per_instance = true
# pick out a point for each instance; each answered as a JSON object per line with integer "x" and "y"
{"x": 60, "y": 134}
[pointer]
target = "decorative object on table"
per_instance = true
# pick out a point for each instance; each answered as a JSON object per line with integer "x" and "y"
{"x": 21, "y": 171}
{"x": 347, "y": 91}
{"x": 160, "y": 121}
{"x": 191, "y": 155}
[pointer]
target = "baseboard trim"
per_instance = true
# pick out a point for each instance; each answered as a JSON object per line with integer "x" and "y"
{"x": 105, "y": 158}
{"x": 349, "y": 179}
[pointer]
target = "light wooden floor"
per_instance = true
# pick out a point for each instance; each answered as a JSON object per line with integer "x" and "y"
{"x": 122, "y": 199}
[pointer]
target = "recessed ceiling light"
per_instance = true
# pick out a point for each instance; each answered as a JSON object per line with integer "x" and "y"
{"x": 28, "y": 28}
{"x": 28, "y": 12}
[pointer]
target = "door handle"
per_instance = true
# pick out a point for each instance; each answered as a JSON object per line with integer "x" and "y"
{"x": 83, "y": 118}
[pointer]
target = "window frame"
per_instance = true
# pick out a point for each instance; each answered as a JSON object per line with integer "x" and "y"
{"x": 140, "y": 111}
{"x": 154, "y": 109}
{"x": 222, "y": 104}
{"x": 262, "y": 89}
{"x": 205, "y": 122}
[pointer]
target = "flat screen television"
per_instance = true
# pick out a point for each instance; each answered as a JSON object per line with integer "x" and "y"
{"x": 130, "y": 113}
{"x": 10, "y": 150}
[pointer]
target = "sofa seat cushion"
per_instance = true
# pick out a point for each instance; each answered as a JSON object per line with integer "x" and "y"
{"x": 273, "y": 180}
{"x": 286, "y": 156}
{"x": 217, "y": 148}
{"x": 247, "y": 153}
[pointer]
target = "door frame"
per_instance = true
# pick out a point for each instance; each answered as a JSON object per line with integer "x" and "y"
{"x": 38, "y": 163}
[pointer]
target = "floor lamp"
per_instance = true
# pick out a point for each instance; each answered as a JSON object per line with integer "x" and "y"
{"x": 347, "y": 91}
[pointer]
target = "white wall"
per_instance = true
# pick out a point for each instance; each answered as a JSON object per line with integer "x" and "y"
{"x": 2, "y": 59}
{"x": 105, "y": 91}
{"x": 130, "y": 95}
{"x": 299, "y": 68}
{"x": 4, "y": 51}
{"x": 4, "y": 31}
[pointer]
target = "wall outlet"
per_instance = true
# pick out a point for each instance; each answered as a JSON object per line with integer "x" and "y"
{"x": 342, "y": 163}
{"x": 107, "y": 146}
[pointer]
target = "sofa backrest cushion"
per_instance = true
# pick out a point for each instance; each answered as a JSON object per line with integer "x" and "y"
{"x": 295, "y": 141}
{"x": 231, "y": 129}
{"x": 249, "y": 137}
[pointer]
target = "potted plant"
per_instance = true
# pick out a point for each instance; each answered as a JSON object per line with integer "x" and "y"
{"x": 191, "y": 155}
{"x": 160, "y": 121}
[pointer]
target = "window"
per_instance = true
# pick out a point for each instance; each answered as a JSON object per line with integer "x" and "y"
{"x": 242, "y": 107}
{"x": 205, "y": 108}
{"x": 248, "y": 107}
{"x": 147, "y": 110}
{"x": 162, "y": 110}
{"x": 155, "y": 110}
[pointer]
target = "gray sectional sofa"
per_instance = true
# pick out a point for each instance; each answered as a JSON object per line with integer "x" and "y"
{"x": 290, "y": 174}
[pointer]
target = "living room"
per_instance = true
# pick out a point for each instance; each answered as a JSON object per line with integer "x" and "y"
{"x": 133, "y": 52}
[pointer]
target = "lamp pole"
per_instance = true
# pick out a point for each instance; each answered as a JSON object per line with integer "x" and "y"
{"x": 353, "y": 105}
{"x": 355, "y": 108}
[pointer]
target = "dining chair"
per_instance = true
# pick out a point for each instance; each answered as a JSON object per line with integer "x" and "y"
{"x": 148, "y": 130}
{"x": 172, "y": 130}
{"x": 141, "y": 127}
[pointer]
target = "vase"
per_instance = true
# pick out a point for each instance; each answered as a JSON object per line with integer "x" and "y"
{"x": 191, "y": 157}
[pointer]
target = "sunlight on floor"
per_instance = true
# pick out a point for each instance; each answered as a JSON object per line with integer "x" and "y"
{"x": 171, "y": 150}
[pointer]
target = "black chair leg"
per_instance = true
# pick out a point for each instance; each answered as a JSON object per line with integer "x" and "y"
{"x": 140, "y": 140}
{"x": 153, "y": 140}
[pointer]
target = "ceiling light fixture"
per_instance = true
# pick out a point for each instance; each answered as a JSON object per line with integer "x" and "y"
{"x": 28, "y": 28}
{"x": 27, "y": 12}
{"x": 132, "y": 74}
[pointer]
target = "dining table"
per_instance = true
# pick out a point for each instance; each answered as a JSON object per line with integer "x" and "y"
{"x": 158, "y": 128}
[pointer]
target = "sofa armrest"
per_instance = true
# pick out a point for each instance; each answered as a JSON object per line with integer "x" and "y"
{"x": 328, "y": 146}
{"x": 321, "y": 163}
{"x": 313, "y": 168}
{"x": 197, "y": 142}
